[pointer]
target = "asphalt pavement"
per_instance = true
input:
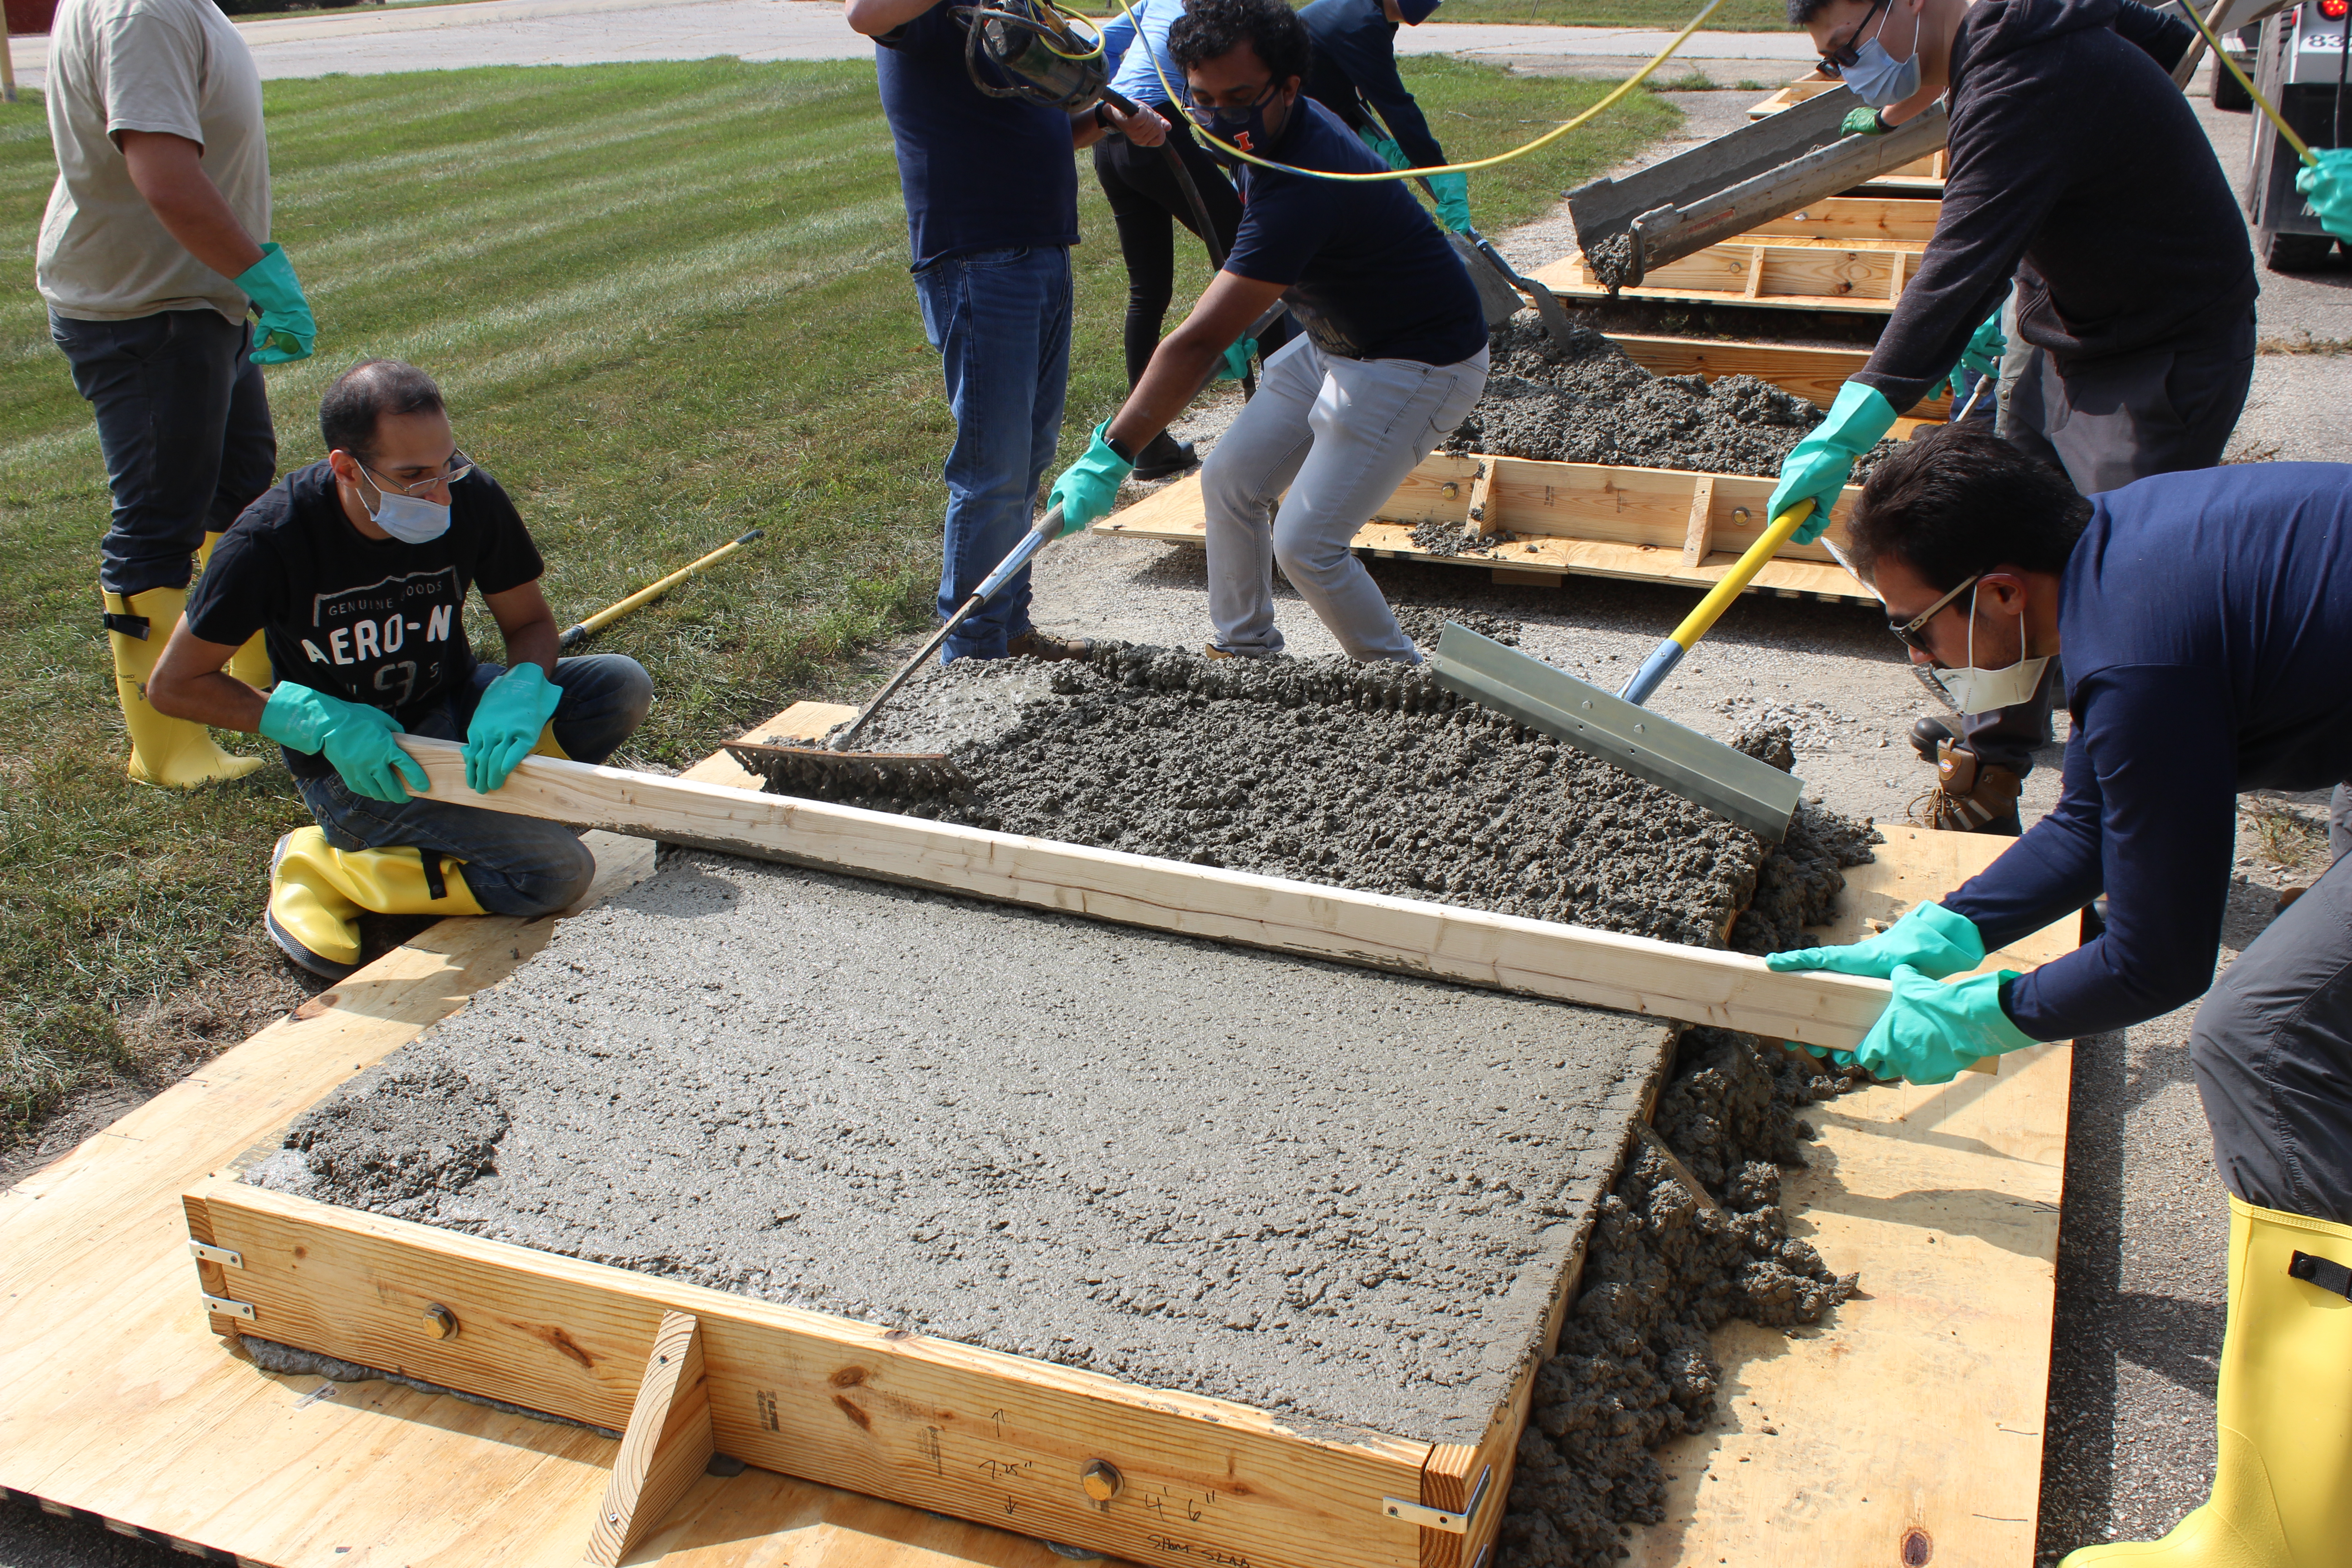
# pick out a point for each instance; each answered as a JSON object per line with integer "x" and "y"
{"x": 587, "y": 32}
{"x": 2129, "y": 1436}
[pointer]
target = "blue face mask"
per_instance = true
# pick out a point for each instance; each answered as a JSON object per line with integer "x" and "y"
{"x": 1877, "y": 78}
{"x": 1245, "y": 128}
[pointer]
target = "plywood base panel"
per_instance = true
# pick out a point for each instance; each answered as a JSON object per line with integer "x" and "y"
{"x": 151, "y": 1425}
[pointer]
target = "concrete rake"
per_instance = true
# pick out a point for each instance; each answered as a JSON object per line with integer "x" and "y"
{"x": 833, "y": 766}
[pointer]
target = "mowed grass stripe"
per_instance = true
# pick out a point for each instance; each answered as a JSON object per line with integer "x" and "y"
{"x": 670, "y": 303}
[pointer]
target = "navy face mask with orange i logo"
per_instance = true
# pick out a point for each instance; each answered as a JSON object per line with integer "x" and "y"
{"x": 1244, "y": 127}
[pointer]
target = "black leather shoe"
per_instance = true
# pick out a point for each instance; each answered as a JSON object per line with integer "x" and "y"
{"x": 1163, "y": 457}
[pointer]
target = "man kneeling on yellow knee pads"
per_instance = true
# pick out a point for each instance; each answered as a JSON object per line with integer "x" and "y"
{"x": 354, "y": 571}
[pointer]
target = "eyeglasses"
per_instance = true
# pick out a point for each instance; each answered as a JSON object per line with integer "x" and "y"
{"x": 456, "y": 469}
{"x": 1910, "y": 631}
{"x": 1850, "y": 52}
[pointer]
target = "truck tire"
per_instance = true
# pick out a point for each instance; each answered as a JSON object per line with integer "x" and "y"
{"x": 2295, "y": 252}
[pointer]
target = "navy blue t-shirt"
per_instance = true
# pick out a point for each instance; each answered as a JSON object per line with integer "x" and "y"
{"x": 1353, "y": 67}
{"x": 979, "y": 173}
{"x": 2207, "y": 636}
{"x": 1370, "y": 273}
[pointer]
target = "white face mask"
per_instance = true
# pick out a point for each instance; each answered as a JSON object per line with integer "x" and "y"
{"x": 412, "y": 519}
{"x": 1876, "y": 76}
{"x": 1974, "y": 690}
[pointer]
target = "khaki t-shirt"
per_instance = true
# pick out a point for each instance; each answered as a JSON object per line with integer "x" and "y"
{"x": 177, "y": 66}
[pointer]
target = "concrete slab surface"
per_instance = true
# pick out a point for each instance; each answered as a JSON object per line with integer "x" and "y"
{"x": 1344, "y": 1195}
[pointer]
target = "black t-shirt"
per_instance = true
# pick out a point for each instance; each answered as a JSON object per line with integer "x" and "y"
{"x": 371, "y": 621}
{"x": 1370, "y": 273}
{"x": 978, "y": 172}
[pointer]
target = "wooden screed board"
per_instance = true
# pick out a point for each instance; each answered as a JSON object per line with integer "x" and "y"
{"x": 151, "y": 1425}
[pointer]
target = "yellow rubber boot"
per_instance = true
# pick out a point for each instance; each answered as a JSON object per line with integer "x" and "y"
{"x": 163, "y": 751}
{"x": 309, "y": 917}
{"x": 317, "y": 893}
{"x": 2283, "y": 1487}
{"x": 250, "y": 663}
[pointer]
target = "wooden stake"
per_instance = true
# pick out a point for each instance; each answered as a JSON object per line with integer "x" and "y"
{"x": 666, "y": 1444}
{"x": 1699, "y": 542}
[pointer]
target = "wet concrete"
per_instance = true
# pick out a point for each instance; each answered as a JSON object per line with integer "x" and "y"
{"x": 1634, "y": 1369}
{"x": 1365, "y": 777}
{"x": 1612, "y": 262}
{"x": 1341, "y": 1195}
{"x": 1590, "y": 403}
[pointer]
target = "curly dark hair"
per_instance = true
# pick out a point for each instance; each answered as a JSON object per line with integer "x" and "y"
{"x": 1959, "y": 501}
{"x": 1209, "y": 28}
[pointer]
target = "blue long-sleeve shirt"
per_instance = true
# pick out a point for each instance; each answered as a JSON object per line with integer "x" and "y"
{"x": 2205, "y": 624}
{"x": 1354, "y": 64}
{"x": 1133, "y": 75}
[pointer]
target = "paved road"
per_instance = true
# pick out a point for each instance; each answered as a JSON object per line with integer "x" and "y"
{"x": 587, "y": 32}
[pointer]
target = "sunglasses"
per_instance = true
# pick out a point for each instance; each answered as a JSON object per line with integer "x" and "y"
{"x": 1850, "y": 52}
{"x": 1912, "y": 633}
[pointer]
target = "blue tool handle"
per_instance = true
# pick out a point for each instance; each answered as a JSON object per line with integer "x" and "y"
{"x": 1654, "y": 668}
{"x": 1047, "y": 529}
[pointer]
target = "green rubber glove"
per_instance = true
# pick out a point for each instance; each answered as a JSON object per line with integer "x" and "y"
{"x": 1986, "y": 345}
{"x": 1452, "y": 194}
{"x": 1930, "y": 938}
{"x": 1088, "y": 488}
{"x": 1390, "y": 152}
{"x": 1862, "y": 122}
{"x": 2328, "y": 186}
{"x": 1236, "y": 363}
{"x": 505, "y": 724}
{"x": 1817, "y": 470}
{"x": 1931, "y": 1030}
{"x": 287, "y": 329}
{"x": 357, "y": 739}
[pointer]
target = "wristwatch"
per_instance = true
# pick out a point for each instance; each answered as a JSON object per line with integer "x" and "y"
{"x": 1119, "y": 447}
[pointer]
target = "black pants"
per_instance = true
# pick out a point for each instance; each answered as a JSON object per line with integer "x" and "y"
{"x": 2272, "y": 1051}
{"x": 1144, "y": 197}
{"x": 183, "y": 421}
{"x": 2163, "y": 410}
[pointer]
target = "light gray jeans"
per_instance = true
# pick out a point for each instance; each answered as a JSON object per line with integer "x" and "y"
{"x": 1332, "y": 438}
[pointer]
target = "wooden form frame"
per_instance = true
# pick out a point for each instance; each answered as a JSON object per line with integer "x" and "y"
{"x": 1656, "y": 525}
{"x": 149, "y": 1429}
{"x": 1815, "y": 374}
{"x": 886, "y": 1413}
{"x": 1791, "y": 273}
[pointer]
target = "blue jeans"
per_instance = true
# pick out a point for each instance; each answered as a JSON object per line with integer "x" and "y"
{"x": 1001, "y": 320}
{"x": 515, "y": 865}
{"x": 183, "y": 421}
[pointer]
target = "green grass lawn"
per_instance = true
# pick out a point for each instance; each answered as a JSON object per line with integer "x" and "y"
{"x": 668, "y": 303}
